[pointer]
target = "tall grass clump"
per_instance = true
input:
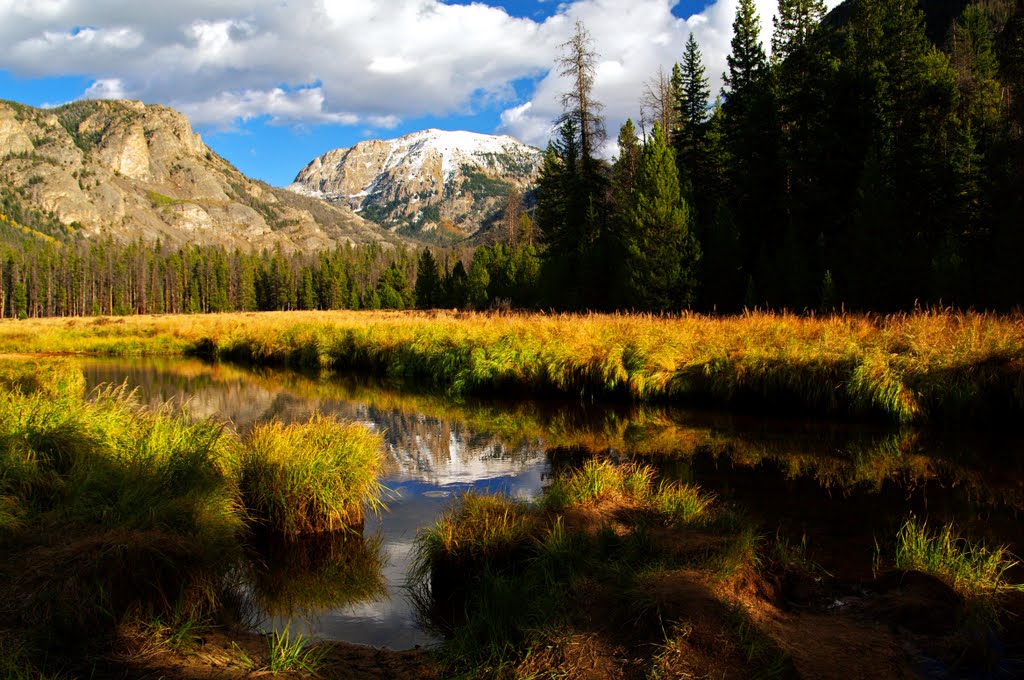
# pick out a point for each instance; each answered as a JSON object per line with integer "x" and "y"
{"x": 293, "y": 653}
{"x": 478, "y": 530}
{"x": 682, "y": 503}
{"x": 110, "y": 512}
{"x": 498, "y": 576}
{"x": 973, "y": 569}
{"x": 597, "y": 480}
{"x": 310, "y": 477}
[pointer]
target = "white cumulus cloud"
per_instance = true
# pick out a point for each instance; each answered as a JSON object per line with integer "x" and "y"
{"x": 371, "y": 63}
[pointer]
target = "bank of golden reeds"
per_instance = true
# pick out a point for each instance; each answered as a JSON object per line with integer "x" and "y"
{"x": 937, "y": 365}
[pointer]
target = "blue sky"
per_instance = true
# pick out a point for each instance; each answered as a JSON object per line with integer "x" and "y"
{"x": 271, "y": 84}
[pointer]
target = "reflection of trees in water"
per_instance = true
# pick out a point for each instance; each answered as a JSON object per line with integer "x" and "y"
{"x": 427, "y": 433}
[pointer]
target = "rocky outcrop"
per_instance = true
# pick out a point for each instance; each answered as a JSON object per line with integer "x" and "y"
{"x": 427, "y": 183}
{"x": 130, "y": 171}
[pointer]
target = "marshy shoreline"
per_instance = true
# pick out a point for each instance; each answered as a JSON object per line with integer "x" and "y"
{"x": 941, "y": 368}
{"x": 697, "y": 583}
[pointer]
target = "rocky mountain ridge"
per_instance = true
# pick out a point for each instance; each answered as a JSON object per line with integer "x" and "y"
{"x": 432, "y": 184}
{"x": 131, "y": 171}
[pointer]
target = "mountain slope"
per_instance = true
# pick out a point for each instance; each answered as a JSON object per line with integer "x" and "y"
{"x": 429, "y": 184}
{"x": 130, "y": 171}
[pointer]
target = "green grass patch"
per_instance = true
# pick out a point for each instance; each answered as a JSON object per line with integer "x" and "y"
{"x": 293, "y": 653}
{"x": 112, "y": 515}
{"x": 972, "y": 568}
{"x": 478, "y": 530}
{"x": 596, "y": 480}
{"x": 158, "y": 200}
{"x": 505, "y": 580}
{"x": 311, "y": 477}
{"x": 683, "y": 503}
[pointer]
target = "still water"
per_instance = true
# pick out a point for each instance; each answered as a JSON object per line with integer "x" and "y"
{"x": 839, "y": 487}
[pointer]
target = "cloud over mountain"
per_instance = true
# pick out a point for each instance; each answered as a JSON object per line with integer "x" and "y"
{"x": 369, "y": 63}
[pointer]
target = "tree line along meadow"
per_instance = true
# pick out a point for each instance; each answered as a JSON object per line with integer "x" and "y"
{"x": 873, "y": 162}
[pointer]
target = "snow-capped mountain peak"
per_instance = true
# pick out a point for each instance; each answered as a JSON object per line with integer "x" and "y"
{"x": 457, "y": 180}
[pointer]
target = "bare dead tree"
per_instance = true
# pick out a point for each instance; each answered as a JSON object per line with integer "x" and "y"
{"x": 579, "y": 63}
{"x": 513, "y": 209}
{"x": 657, "y": 102}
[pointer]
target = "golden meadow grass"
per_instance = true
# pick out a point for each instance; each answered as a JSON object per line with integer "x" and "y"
{"x": 906, "y": 368}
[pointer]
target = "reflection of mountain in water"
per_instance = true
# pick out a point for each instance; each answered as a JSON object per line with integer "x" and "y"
{"x": 841, "y": 485}
{"x": 435, "y": 450}
{"x": 431, "y": 439}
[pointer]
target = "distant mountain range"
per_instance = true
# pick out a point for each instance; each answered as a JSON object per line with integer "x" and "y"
{"x": 430, "y": 185}
{"x": 130, "y": 171}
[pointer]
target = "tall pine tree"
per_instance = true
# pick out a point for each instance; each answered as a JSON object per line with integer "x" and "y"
{"x": 751, "y": 135}
{"x": 661, "y": 252}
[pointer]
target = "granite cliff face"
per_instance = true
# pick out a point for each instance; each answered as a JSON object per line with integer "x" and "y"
{"x": 130, "y": 171}
{"x": 431, "y": 184}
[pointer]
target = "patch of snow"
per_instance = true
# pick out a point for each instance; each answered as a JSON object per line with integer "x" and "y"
{"x": 304, "y": 190}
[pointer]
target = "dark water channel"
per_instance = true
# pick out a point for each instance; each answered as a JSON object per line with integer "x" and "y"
{"x": 840, "y": 487}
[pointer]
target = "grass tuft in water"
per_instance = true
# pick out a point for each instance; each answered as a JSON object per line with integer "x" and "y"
{"x": 478, "y": 529}
{"x": 971, "y": 568}
{"x": 311, "y": 477}
{"x": 683, "y": 503}
{"x": 597, "y": 480}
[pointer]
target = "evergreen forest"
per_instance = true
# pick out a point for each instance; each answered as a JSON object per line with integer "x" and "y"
{"x": 873, "y": 162}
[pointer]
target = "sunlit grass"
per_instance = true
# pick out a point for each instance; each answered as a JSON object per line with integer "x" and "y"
{"x": 476, "y": 530}
{"x": 902, "y": 368}
{"x": 519, "y": 571}
{"x": 973, "y": 569}
{"x": 310, "y": 477}
{"x": 599, "y": 479}
{"x": 682, "y": 503}
{"x": 287, "y": 652}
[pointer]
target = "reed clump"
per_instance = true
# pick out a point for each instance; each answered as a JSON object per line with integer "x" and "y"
{"x": 310, "y": 477}
{"x": 501, "y": 578}
{"x": 478, "y": 530}
{"x": 971, "y": 568}
{"x": 116, "y": 511}
{"x": 597, "y": 480}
